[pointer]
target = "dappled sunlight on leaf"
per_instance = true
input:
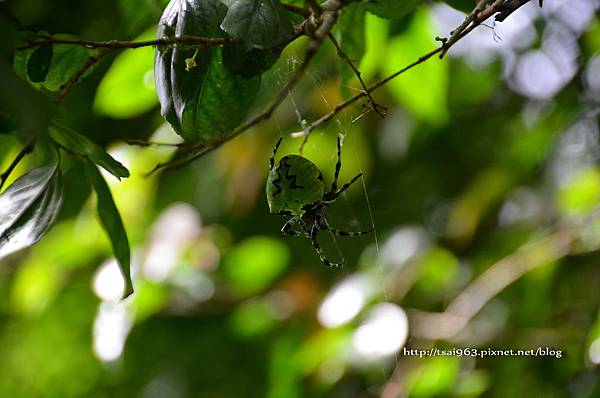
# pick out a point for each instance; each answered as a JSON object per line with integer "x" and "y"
{"x": 127, "y": 89}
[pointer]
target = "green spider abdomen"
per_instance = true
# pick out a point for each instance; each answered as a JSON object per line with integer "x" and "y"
{"x": 294, "y": 183}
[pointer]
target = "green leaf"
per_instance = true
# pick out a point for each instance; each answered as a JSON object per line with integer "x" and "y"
{"x": 39, "y": 63}
{"x": 112, "y": 223}
{"x": 81, "y": 145}
{"x": 260, "y": 24}
{"x": 66, "y": 59}
{"x": 248, "y": 64}
{"x": 22, "y": 193}
{"x": 29, "y": 207}
{"x": 199, "y": 97}
{"x": 127, "y": 89}
{"x": 392, "y": 9}
{"x": 423, "y": 91}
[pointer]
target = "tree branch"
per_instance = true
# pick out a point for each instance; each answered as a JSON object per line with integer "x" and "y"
{"x": 125, "y": 44}
{"x": 482, "y": 11}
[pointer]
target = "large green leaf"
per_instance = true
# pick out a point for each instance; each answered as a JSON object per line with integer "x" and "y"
{"x": 199, "y": 97}
{"x": 29, "y": 207}
{"x": 248, "y": 63}
{"x": 112, "y": 223}
{"x": 222, "y": 103}
{"x": 260, "y": 24}
{"x": 392, "y": 9}
{"x": 75, "y": 142}
{"x": 127, "y": 89}
{"x": 51, "y": 66}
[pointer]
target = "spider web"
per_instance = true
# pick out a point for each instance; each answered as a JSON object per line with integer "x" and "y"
{"x": 345, "y": 123}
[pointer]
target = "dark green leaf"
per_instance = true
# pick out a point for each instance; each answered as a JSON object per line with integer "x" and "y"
{"x": 260, "y": 24}
{"x": 205, "y": 101}
{"x": 66, "y": 60}
{"x": 39, "y": 63}
{"x": 111, "y": 221}
{"x": 392, "y": 9}
{"x": 81, "y": 145}
{"x": 29, "y": 207}
{"x": 248, "y": 64}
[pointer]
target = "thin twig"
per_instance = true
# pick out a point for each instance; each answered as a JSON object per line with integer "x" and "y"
{"x": 28, "y": 148}
{"x": 125, "y": 44}
{"x": 381, "y": 110}
{"x": 143, "y": 143}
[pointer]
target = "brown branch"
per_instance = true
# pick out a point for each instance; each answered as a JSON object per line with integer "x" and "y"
{"x": 27, "y": 149}
{"x": 144, "y": 143}
{"x": 117, "y": 45}
{"x": 129, "y": 44}
{"x": 482, "y": 11}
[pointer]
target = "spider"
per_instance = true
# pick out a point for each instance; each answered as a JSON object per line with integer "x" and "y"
{"x": 296, "y": 188}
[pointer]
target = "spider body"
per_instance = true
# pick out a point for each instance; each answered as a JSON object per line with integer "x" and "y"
{"x": 295, "y": 182}
{"x": 296, "y": 188}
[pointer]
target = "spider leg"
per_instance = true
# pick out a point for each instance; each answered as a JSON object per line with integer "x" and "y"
{"x": 338, "y": 166}
{"x": 288, "y": 229}
{"x": 313, "y": 238}
{"x": 347, "y": 185}
{"x": 272, "y": 160}
{"x": 323, "y": 224}
{"x": 337, "y": 232}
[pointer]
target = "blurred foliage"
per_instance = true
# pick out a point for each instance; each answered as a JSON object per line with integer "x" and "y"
{"x": 482, "y": 153}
